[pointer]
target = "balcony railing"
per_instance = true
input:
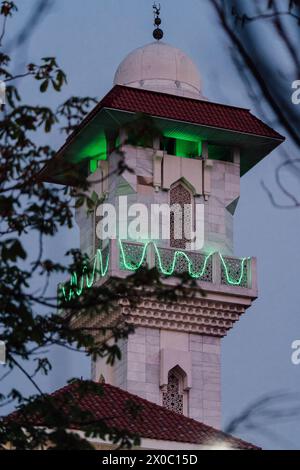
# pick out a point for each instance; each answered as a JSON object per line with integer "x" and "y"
{"x": 121, "y": 256}
{"x": 206, "y": 267}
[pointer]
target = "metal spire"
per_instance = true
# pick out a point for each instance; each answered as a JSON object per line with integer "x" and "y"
{"x": 157, "y": 33}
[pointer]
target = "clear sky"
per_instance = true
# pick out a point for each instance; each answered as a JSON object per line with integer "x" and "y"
{"x": 89, "y": 40}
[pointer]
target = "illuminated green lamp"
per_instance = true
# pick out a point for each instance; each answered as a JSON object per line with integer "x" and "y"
{"x": 98, "y": 148}
{"x": 188, "y": 148}
{"x": 183, "y": 144}
{"x": 94, "y": 150}
{"x": 93, "y": 165}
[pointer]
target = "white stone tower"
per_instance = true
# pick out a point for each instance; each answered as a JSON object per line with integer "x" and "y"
{"x": 173, "y": 358}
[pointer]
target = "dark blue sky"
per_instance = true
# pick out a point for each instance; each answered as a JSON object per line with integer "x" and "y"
{"x": 89, "y": 40}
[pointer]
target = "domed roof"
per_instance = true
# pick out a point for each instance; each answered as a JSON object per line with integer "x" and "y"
{"x": 160, "y": 67}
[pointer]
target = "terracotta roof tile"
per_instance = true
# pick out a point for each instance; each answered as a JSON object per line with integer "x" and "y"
{"x": 109, "y": 403}
{"x": 185, "y": 109}
{"x": 172, "y": 107}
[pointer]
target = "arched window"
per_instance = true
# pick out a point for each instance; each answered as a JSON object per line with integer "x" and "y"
{"x": 181, "y": 198}
{"x": 173, "y": 396}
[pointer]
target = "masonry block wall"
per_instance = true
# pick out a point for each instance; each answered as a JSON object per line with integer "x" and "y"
{"x": 219, "y": 207}
{"x": 147, "y": 355}
{"x": 139, "y": 370}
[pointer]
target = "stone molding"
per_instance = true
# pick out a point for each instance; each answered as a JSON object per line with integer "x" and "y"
{"x": 202, "y": 316}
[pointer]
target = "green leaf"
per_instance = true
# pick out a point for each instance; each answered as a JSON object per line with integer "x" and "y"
{"x": 79, "y": 202}
{"x": 44, "y": 86}
{"x": 56, "y": 86}
{"x": 13, "y": 249}
{"x": 94, "y": 197}
{"x": 90, "y": 203}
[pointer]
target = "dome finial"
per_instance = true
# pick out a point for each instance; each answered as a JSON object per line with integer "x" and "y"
{"x": 157, "y": 33}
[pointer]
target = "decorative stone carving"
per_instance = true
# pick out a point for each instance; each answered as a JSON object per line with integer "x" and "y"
{"x": 195, "y": 315}
{"x": 235, "y": 271}
{"x": 134, "y": 255}
{"x": 190, "y": 314}
{"x": 180, "y": 197}
{"x": 172, "y": 398}
{"x": 181, "y": 266}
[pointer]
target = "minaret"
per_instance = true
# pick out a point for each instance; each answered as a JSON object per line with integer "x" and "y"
{"x": 174, "y": 356}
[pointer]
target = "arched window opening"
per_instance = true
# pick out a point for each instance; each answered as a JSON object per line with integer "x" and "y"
{"x": 173, "y": 396}
{"x": 181, "y": 217}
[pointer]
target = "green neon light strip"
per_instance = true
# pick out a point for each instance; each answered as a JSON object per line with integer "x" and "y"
{"x": 163, "y": 270}
{"x": 86, "y": 280}
{"x": 169, "y": 272}
{"x": 229, "y": 279}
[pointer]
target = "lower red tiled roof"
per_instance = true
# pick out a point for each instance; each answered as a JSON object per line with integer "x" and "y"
{"x": 114, "y": 406}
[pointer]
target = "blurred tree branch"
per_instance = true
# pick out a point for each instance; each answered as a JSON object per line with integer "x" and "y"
{"x": 266, "y": 84}
{"x": 32, "y": 209}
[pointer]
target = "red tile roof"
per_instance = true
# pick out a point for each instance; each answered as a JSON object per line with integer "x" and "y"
{"x": 175, "y": 108}
{"x": 180, "y": 108}
{"x": 185, "y": 109}
{"x": 110, "y": 404}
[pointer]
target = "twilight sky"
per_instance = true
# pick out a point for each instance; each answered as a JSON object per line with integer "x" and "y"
{"x": 89, "y": 40}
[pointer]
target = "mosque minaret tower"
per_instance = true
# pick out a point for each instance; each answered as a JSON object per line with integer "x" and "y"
{"x": 174, "y": 356}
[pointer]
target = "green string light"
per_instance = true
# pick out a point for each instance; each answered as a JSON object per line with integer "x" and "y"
{"x": 163, "y": 270}
{"x": 229, "y": 279}
{"x": 76, "y": 288}
{"x": 169, "y": 272}
{"x": 129, "y": 266}
{"x": 87, "y": 281}
{"x": 193, "y": 274}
